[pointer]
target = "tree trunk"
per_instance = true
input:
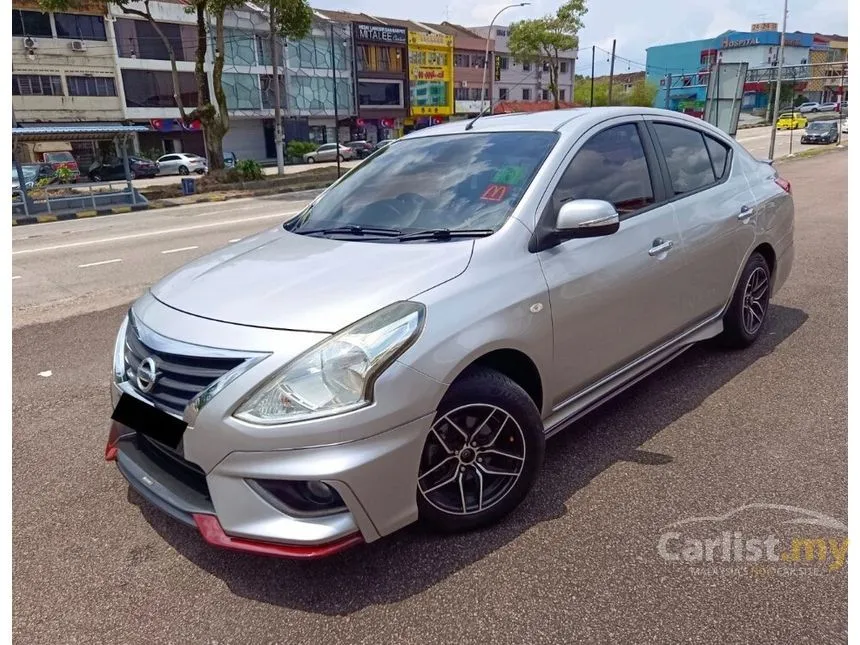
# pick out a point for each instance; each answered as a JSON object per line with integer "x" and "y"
{"x": 279, "y": 133}
{"x": 553, "y": 83}
{"x": 215, "y": 125}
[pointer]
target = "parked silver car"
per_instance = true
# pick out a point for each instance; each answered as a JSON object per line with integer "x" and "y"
{"x": 329, "y": 152}
{"x": 181, "y": 163}
{"x": 402, "y": 348}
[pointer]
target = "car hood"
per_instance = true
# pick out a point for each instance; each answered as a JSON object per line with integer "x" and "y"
{"x": 281, "y": 280}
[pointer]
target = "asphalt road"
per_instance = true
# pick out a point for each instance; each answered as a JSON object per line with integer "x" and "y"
{"x": 578, "y": 562}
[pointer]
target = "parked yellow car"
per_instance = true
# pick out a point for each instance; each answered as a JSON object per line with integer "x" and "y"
{"x": 791, "y": 121}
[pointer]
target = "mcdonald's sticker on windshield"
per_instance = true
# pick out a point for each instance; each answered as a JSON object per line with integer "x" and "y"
{"x": 495, "y": 193}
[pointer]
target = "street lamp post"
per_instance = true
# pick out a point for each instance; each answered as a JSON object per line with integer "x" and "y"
{"x": 487, "y": 52}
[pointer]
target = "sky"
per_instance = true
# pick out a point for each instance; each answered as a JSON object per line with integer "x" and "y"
{"x": 635, "y": 25}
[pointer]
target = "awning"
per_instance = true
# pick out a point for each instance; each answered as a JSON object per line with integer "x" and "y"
{"x": 74, "y": 132}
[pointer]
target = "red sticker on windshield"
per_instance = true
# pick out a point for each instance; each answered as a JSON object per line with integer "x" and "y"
{"x": 495, "y": 193}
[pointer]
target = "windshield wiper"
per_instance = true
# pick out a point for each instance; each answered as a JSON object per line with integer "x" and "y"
{"x": 445, "y": 234}
{"x": 353, "y": 229}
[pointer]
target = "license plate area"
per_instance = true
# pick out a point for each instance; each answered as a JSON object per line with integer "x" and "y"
{"x": 149, "y": 420}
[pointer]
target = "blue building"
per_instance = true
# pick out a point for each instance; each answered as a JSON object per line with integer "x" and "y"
{"x": 680, "y": 70}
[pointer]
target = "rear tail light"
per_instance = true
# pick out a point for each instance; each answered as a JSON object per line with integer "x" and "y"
{"x": 784, "y": 184}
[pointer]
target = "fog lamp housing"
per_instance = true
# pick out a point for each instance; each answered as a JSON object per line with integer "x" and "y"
{"x": 299, "y": 498}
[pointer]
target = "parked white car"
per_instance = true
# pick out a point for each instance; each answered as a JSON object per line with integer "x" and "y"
{"x": 812, "y": 106}
{"x": 845, "y": 126}
{"x": 182, "y": 163}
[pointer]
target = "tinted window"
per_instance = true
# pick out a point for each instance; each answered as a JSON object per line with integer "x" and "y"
{"x": 37, "y": 85}
{"x": 456, "y": 181}
{"x": 169, "y": 158}
{"x": 388, "y": 94}
{"x": 76, "y": 26}
{"x": 327, "y": 146}
{"x": 687, "y": 157}
{"x": 719, "y": 156}
{"x": 147, "y": 88}
{"x": 610, "y": 166}
{"x": 30, "y": 23}
{"x": 91, "y": 86}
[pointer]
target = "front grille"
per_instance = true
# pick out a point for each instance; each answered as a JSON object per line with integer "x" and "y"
{"x": 170, "y": 462}
{"x": 179, "y": 377}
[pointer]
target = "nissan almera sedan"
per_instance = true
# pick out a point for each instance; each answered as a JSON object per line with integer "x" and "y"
{"x": 402, "y": 348}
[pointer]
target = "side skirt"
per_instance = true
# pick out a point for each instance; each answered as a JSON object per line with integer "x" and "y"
{"x": 599, "y": 393}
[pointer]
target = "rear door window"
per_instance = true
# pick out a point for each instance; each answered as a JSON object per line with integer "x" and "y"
{"x": 687, "y": 157}
{"x": 719, "y": 156}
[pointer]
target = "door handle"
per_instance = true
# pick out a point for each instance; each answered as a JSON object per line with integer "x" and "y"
{"x": 660, "y": 246}
{"x": 746, "y": 213}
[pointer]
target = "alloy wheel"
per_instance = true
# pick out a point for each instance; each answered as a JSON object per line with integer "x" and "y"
{"x": 473, "y": 457}
{"x": 755, "y": 300}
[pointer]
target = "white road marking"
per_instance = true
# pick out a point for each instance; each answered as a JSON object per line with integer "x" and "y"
{"x": 95, "y": 264}
{"x": 16, "y": 277}
{"x": 184, "y": 248}
{"x": 46, "y": 373}
{"x": 234, "y": 240}
{"x": 164, "y": 231}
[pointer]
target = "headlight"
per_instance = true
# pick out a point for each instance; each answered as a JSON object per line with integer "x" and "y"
{"x": 338, "y": 374}
{"x": 119, "y": 353}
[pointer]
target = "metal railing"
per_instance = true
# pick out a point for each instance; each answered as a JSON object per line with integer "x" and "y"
{"x": 96, "y": 195}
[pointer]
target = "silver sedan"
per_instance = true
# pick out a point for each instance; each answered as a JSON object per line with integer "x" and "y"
{"x": 401, "y": 350}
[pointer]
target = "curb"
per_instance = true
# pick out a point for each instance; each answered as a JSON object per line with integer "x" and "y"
{"x": 22, "y": 220}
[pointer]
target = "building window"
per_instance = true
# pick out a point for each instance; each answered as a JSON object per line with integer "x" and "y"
{"x": 546, "y": 67}
{"x": 30, "y": 23}
{"x": 502, "y": 33}
{"x": 527, "y": 67}
{"x": 503, "y": 62}
{"x": 91, "y": 86}
{"x": 36, "y": 85}
{"x": 527, "y": 94}
{"x": 138, "y": 39}
{"x": 545, "y": 95}
{"x": 475, "y": 94}
{"x": 242, "y": 90}
{"x": 561, "y": 95}
{"x": 146, "y": 88}
{"x": 563, "y": 67}
{"x": 80, "y": 27}
{"x": 461, "y": 94}
{"x": 268, "y": 91}
{"x": 478, "y": 61}
{"x": 378, "y": 58}
{"x": 315, "y": 94}
{"x": 315, "y": 53}
{"x": 503, "y": 93}
{"x": 380, "y": 94}
{"x": 461, "y": 60}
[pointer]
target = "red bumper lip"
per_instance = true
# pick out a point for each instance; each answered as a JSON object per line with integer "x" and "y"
{"x": 210, "y": 529}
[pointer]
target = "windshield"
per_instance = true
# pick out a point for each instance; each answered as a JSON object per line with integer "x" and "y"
{"x": 455, "y": 182}
{"x": 59, "y": 157}
{"x": 29, "y": 172}
{"x": 818, "y": 127}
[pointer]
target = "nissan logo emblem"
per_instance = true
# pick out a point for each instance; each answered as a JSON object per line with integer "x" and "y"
{"x": 146, "y": 374}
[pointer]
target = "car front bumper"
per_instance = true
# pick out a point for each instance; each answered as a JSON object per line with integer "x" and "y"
{"x": 368, "y": 456}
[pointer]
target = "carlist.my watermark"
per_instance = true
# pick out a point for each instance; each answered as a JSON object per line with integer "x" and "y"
{"x": 758, "y": 539}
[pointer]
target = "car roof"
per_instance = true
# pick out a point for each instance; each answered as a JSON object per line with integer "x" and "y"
{"x": 566, "y": 120}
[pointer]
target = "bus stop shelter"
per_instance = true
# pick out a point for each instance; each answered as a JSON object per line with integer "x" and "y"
{"x": 119, "y": 134}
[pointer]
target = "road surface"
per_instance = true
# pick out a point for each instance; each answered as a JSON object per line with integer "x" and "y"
{"x": 578, "y": 562}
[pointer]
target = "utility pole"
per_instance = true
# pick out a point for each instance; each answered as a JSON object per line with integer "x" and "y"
{"x": 279, "y": 126}
{"x": 780, "y": 62}
{"x": 611, "y": 73}
{"x": 593, "y": 52}
{"x": 334, "y": 84}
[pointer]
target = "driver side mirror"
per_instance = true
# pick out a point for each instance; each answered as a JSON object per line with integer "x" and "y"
{"x": 586, "y": 218}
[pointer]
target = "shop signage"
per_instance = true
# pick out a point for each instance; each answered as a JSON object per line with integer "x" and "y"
{"x": 744, "y": 42}
{"x": 379, "y": 33}
{"x": 431, "y": 74}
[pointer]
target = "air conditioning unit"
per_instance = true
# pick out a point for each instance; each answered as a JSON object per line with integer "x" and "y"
{"x": 31, "y": 43}
{"x": 464, "y": 84}
{"x": 78, "y": 46}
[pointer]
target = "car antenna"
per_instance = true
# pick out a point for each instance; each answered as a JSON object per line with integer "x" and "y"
{"x": 472, "y": 122}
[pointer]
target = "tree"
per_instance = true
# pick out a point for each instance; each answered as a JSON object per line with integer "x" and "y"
{"x": 542, "y": 40}
{"x": 642, "y": 94}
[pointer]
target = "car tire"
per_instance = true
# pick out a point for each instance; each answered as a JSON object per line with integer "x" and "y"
{"x": 456, "y": 472}
{"x": 132, "y": 174}
{"x": 310, "y": 160}
{"x": 183, "y": 170}
{"x": 747, "y": 312}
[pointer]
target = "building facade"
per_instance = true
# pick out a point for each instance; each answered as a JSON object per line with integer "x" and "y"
{"x": 468, "y": 68}
{"x": 681, "y": 70}
{"x": 515, "y": 81}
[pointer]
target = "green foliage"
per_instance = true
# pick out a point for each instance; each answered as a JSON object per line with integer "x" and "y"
{"x": 542, "y": 40}
{"x": 64, "y": 175}
{"x": 153, "y": 154}
{"x": 293, "y": 18}
{"x": 297, "y": 148}
{"x": 642, "y": 94}
{"x": 249, "y": 169}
